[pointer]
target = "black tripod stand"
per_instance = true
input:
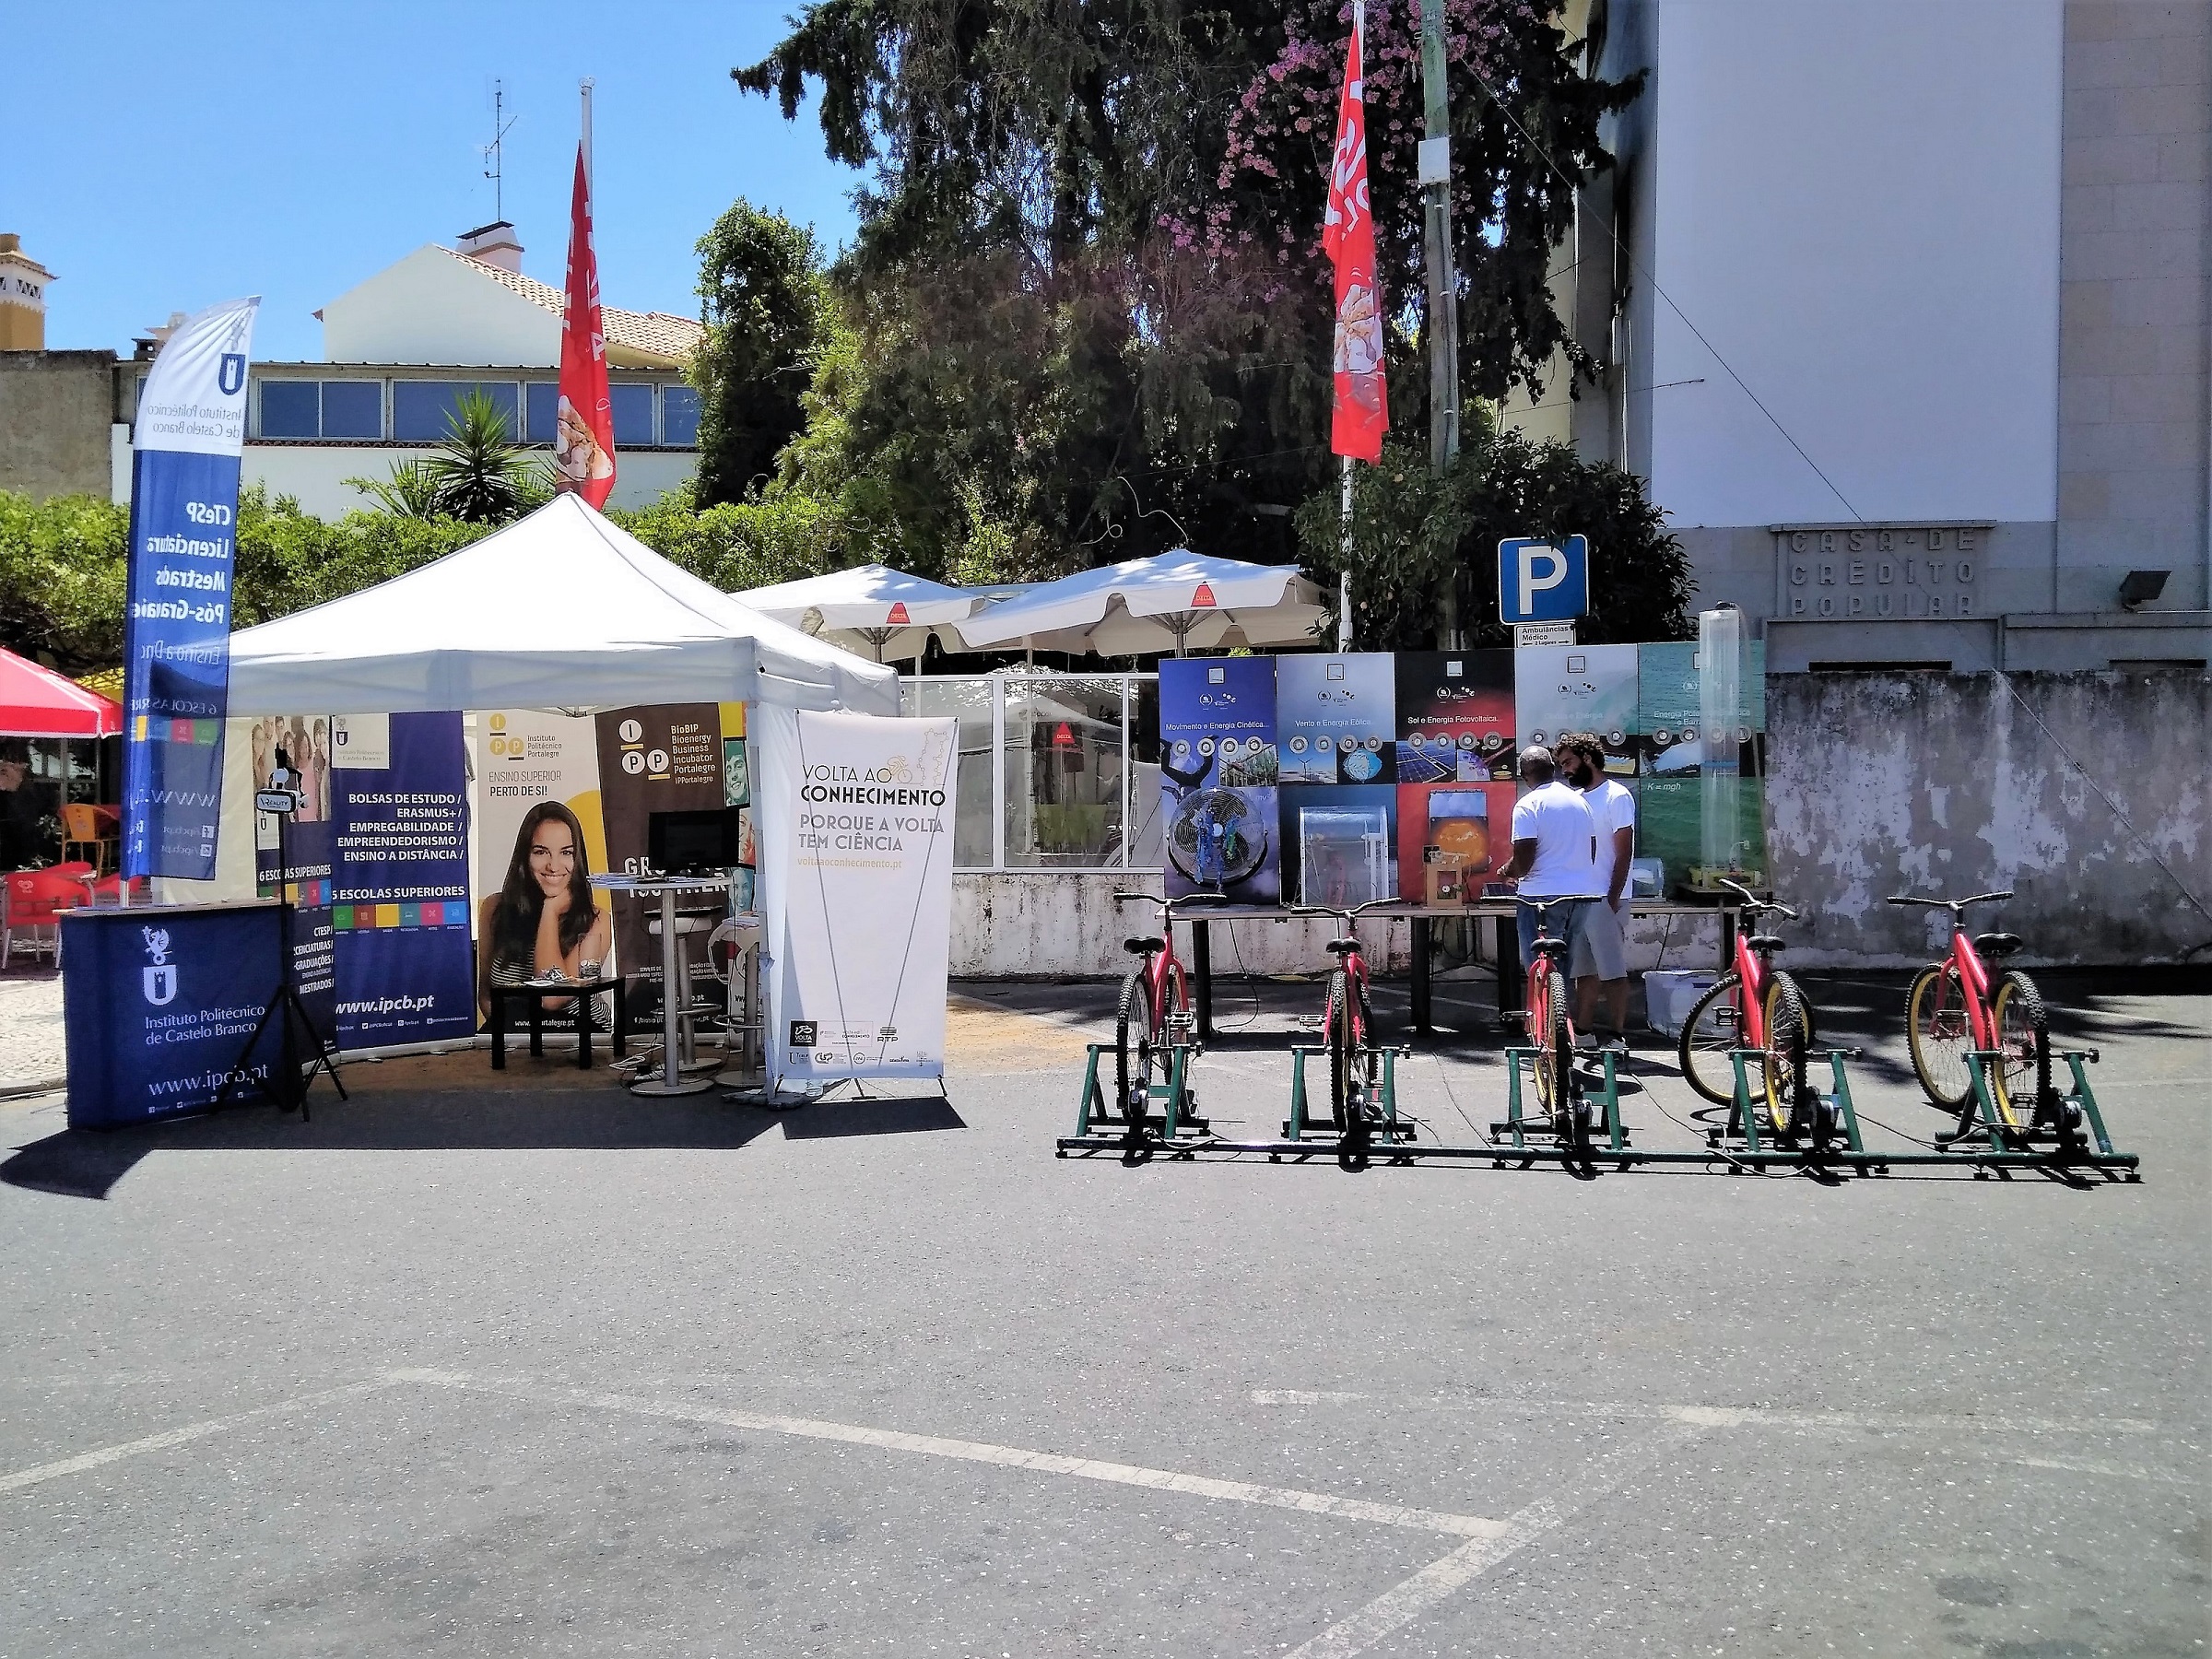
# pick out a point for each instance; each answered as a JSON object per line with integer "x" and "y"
{"x": 286, "y": 1088}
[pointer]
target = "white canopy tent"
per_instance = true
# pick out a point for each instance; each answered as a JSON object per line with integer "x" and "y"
{"x": 1171, "y": 601}
{"x": 559, "y": 610}
{"x": 871, "y": 606}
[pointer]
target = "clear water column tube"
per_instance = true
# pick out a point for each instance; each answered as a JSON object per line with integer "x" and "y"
{"x": 1721, "y": 709}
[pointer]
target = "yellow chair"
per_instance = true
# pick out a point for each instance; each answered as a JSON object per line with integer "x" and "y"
{"x": 81, "y": 828}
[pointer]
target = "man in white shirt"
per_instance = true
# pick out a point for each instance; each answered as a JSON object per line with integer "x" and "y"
{"x": 1555, "y": 851}
{"x": 1601, "y": 955}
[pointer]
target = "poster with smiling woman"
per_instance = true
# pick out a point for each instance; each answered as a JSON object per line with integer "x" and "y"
{"x": 545, "y": 918}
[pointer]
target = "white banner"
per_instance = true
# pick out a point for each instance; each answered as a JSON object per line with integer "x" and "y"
{"x": 855, "y": 818}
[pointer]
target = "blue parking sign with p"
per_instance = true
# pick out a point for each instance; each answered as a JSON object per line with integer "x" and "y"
{"x": 1543, "y": 580}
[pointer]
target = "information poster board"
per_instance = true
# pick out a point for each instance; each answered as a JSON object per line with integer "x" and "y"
{"x": 1336, "y": 718}
{"x": 1220, "y": 765}
{"x": 399, "y": 891}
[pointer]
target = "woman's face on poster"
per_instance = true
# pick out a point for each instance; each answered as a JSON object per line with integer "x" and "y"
{"x": 552, "y": 857}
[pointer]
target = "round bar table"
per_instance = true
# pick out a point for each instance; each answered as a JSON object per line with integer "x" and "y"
{"x": 672, "y": 1080}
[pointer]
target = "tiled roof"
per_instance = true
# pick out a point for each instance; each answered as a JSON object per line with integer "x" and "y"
{"x": 651, "y": 333}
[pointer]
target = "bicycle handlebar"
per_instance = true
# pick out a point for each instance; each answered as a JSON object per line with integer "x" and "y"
{"x": 1757, "y": 905}
{"x": 1345, "y": 915}
{"x": 1953, "y": 905}
{"x": 1169, "y": 905}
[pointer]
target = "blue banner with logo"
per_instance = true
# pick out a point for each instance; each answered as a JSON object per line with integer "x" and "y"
{"x": 159, "y": 1006}
{"x": 191, "y": 427}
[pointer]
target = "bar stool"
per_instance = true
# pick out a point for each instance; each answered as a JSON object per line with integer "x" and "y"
{"x": 687, "y": 922}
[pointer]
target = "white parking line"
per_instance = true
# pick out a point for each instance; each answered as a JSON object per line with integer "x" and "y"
{"x": 1043, "y": 1463}
{"x": 184, "y": 1436}
{"x": 1404, "y": 1602}
{"x": 1728, "y": 1417}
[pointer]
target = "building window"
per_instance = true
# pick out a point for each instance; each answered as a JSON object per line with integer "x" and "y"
{"x": 353, "y": 409}
{"x": 633, "y": 415}
{"x": 544, "y": 410}
{"x": 421, "y": 410}
{"x": 290, "y": 410}
{"x": 679, "y": 417}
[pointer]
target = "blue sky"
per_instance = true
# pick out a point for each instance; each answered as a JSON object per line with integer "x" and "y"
{"x": 166, "y": 157}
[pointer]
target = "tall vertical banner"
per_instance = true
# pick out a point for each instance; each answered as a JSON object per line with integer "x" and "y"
{"x": 191, "y": 428}
{"x": 856, "y": 861}
{"x": 583, "y": 451}
{"x": 1363, "y": 412}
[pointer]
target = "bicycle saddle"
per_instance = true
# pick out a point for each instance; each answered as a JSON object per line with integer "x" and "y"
{"x": 1143, "y": 947}
{"x": 1338, "y": 947}
{"x": 1997, "y": 943}
{"x": 1763, "y": 942}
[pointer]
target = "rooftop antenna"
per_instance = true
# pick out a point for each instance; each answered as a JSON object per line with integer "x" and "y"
{"x": 495, "y": 152}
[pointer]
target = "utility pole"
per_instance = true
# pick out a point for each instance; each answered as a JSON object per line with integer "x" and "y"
{"x": 1443, "y": 327}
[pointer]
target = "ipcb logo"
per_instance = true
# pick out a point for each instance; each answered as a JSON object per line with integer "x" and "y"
{"x": 230, "y": 375}
{"x": 159, "y": 978}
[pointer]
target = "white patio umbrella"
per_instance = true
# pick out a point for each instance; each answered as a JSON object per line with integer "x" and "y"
{"x": 1172, "y": 600}
{"x": 870, "y": 607}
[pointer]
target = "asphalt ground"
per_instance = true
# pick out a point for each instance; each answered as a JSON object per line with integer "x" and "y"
{"x": 538, "y": 1368}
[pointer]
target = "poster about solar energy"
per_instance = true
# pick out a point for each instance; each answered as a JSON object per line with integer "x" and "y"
{"x": 1336, "y": 718}
{"x": 1217, "y": 773}
{"x": 1455, "y": 716}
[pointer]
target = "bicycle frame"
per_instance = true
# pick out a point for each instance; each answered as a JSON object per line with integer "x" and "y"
{"x": 1548, "y": 949}
{"x": 1354, "y": 962}
{"x": 1751, "y": 977}
{"x": 1973, "y": 982}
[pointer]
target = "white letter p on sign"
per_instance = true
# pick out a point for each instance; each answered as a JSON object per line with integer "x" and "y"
{"x": 1555, "y": 563}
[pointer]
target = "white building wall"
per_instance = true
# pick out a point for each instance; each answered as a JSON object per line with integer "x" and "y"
{"x": 430, "y": 308}
{"x": 1857, "y": 203}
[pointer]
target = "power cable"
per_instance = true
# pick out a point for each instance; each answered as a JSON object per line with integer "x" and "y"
{"x": 1638, "y": 267}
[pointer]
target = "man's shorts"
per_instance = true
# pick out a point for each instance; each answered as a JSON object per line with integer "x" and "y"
{"x": 1598, "y": 947}
{"x": 1564, "y": 917}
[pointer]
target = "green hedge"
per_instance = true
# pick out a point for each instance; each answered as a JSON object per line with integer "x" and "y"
{"x": 63, "y": 565}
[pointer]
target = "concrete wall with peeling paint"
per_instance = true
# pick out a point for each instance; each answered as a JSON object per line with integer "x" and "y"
{"x": 1956, "y": 784}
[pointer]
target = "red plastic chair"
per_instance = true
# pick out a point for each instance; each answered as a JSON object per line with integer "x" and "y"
{"x": 31, "y": 902}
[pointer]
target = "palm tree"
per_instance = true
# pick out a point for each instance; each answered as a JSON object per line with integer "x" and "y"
{"x": 477, "y": 475}
{"x": 409, "y": 492}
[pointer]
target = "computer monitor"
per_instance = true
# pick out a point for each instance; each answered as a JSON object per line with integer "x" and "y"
{"x": 694, "y": 844}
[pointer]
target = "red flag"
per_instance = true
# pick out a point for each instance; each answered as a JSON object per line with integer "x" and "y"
{"x": 583, "y": 453}
{"x": 1362, "y": 413}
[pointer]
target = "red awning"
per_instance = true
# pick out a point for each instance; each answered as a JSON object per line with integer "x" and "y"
{"x": 37, "y": 702}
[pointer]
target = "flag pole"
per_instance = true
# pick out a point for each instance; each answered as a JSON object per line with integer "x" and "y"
{"x": 1344, "y": 576}
{"x": 589, "y": 183}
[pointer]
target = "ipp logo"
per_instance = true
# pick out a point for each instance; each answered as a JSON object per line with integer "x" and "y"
{"x": 230, "y": 373}
{"x": 159, "y": 979}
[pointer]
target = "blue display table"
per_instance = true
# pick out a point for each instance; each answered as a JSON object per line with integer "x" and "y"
{"x": 159, "y": 1001}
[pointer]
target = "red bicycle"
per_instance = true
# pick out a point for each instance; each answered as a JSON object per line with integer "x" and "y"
{"x": 1551, "y": 1032}
{"x": 1348, "y": 1030}
{"x": 1154, "y": 1012}
{"x": 1954, "y": 1010}
{"x": 1755, "y": 1007}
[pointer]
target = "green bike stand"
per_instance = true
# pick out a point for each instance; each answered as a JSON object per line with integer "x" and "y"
{"x": 1609, "y": 1136}
{"x": 1747, "y": 1140}
{"x": 1102, "y": 1125}
{"x": 1387, "y": 1129}
{"x": 2066, "y": 1131}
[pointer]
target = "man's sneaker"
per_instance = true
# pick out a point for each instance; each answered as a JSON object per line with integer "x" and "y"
{"x": 1616, "y": 1041}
